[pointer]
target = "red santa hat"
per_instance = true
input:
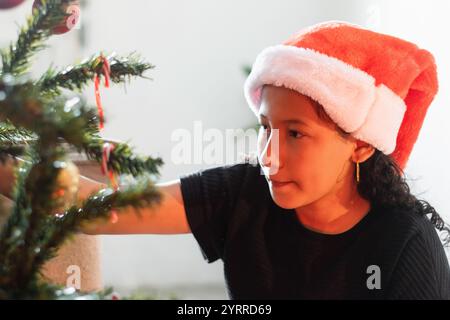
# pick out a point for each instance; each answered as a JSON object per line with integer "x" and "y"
{"x": 375, "y": 86}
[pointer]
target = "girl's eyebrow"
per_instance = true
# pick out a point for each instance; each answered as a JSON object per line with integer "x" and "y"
{"x": 296, "y": 121}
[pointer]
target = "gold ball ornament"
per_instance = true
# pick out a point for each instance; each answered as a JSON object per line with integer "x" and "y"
{"x": 67, "y": 184}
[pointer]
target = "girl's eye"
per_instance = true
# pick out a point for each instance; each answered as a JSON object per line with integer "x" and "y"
{"x": 295, "y": 134}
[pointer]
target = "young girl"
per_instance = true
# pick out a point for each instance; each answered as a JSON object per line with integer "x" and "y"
{"x": 326, "y": 214}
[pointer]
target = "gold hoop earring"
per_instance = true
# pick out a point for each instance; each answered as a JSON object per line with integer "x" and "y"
{"x": 357, "y": 172}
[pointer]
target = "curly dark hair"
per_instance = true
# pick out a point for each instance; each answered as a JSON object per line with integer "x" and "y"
{"x": 383, "y": 182}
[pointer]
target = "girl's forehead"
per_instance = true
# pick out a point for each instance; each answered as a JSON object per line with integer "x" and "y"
{"x": 282, "y": 104}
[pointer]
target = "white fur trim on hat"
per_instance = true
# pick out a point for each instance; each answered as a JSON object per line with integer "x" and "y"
{"x": 349, "y": 95}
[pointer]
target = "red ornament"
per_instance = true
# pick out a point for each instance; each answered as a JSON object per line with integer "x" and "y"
{"x": 8, "y": 4}
{"x": 115, "y": 296}
{"x": 72, "y": 8}
{"x": 106, "y": 70}
{"x": 98, "y": 101}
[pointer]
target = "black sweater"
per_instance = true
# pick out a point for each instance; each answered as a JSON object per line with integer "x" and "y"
{"x": 269, "y": 254}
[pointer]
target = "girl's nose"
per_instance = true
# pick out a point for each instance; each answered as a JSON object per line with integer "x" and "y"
{"x": 270, "y": 156}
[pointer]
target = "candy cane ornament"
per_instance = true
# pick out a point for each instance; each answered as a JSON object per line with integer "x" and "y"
{"x": 106, "y": 71}
{"x": 107, "y": 147}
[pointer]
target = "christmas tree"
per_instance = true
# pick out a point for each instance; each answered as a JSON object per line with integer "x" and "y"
{"x": 39, "y": 119}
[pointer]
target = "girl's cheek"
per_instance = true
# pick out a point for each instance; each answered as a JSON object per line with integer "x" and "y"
{"x": 307, "y": 168}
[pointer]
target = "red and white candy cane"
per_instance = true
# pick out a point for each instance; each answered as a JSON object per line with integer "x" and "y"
{"x": 106, "y": 73}
{"x": 107, "y": 149}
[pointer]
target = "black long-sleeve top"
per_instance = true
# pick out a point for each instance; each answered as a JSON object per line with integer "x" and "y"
{"x": 269, "y": 254}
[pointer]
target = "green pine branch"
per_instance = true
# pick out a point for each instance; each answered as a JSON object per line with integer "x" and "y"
{"x": 50, "y": 119}
{"x": 13, "y": 140}
{"x": 16, "y": 59}
{"x": 12, "y": 233}
{"x": 78, "y": 76}
{"x": 36, "y": 121}
{"x": 40, "y": 290}
{"x": 122, "y": 159}
{"x": 143, "y": 194}
{"x": 72, "y": 121}
{"x": 8, "y": 132}
{"x": 40, "y": 186}
{"x": 8, "y": 150}
{"x": 60, "y": 228}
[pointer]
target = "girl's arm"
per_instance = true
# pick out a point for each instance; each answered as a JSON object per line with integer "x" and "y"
{"x": 168, "y": 217}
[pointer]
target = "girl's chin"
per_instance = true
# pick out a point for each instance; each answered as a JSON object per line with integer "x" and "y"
{"x": 285, "y": 201}
{"x": 285, "y": 204}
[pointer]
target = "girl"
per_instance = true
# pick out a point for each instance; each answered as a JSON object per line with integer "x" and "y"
{"x": 324, "y": 212}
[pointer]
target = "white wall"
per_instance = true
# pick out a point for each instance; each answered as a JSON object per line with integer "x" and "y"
{"x": 199, "y": 48}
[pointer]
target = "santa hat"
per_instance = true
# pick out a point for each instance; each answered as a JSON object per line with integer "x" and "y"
{"x": 375, "y": 86}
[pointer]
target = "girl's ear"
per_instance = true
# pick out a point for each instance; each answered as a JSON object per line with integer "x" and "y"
{"x": 362, "y": 152}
